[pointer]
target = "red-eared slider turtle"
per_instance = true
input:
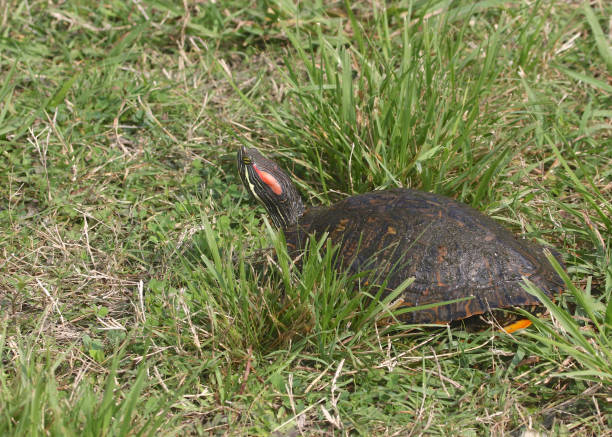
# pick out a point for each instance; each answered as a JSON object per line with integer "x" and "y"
{"x": 452, "y": 250}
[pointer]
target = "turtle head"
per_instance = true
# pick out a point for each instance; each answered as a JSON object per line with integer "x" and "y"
{"x": 270, "y": 185}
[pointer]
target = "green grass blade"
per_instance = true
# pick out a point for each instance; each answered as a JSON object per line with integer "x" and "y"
{"x": 130, "y": 401}
{"x": 60, "y": 94}
{"x": 602, "y": 43}
{"x": 595, "y": 83}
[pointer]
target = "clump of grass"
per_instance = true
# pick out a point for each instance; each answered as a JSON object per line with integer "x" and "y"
{"x": 267, "y": 301}
{"x": 401, "y": 108}
{"x": 40, "y": 396}
{"x": 584, "y": 338}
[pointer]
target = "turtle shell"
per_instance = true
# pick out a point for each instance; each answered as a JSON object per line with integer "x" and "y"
{"x": 452, "y": 250}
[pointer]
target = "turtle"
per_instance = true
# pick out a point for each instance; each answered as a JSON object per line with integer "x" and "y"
{"x": 454, "y": 252}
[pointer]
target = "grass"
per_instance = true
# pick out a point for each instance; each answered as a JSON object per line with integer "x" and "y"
{"x": 129, "y": 304}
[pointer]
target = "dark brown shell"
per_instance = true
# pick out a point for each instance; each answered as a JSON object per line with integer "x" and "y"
{"x": 452, "y": 250}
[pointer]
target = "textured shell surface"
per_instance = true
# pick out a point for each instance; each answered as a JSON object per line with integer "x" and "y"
{"x": 452, "y": 250}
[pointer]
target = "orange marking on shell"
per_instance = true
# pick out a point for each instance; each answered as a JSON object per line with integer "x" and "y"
{"x": 439, "y": 281}
{"x": 520, "y": 324}
{"x": 269, "y": 180}
{"x": 442, "y": 252}
{"x": 341, "y": 227}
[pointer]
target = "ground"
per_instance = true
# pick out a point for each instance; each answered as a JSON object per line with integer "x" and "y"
{"x": 133, "y": 299}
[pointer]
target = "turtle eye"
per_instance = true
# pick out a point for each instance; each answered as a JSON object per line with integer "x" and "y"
{"x": 246, "y": 160}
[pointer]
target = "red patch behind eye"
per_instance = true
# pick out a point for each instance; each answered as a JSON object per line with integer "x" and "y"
{"x": 269, "y": 180}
